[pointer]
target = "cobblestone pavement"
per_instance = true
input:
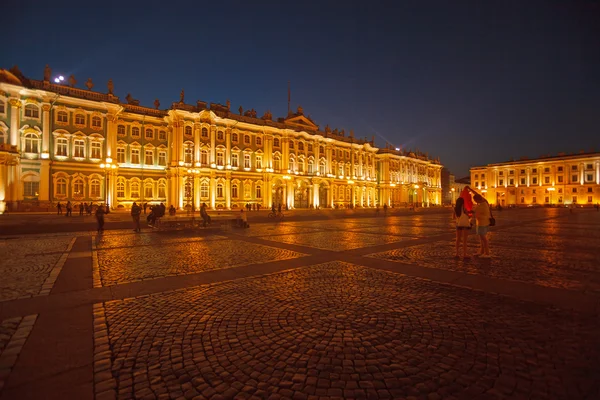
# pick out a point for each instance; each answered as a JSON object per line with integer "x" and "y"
{"x": 336, "y": 241}
{"x": 523, "y": 258}
{"x": 28, "y": 264}
{"x": 357, "y": 321}
{"x": 341, "y": 330}
{"x": 130, "y": 264}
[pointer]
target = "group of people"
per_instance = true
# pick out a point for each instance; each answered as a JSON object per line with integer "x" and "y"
{"x": 84, "y": 208}
{"x": 464, "y": 213}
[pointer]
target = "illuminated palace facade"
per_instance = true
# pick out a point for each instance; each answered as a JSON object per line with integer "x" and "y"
{"x": 552, "y": 180}
{"x": 59, "y": 143}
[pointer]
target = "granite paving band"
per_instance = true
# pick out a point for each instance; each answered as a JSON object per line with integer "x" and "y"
{"x": 13, "y": 335}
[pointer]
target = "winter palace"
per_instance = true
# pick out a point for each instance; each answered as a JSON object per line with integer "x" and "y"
{"x": 61, "y": 143}
{"x": 564, "y": 179}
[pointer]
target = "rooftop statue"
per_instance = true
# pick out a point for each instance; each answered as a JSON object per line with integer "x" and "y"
{"x": 47, "y": 73}
{"x": 156, "y": 104}
{"x": 72, "y": 81}
{"x": 89, "y": 84}
{"x": 241, "y": 110}
{"x": 181, "y": 96}
{"x": 267, "y": 116}
{"x": 110, "y": 86}
{"x": 300, "y": 110}
{"x": 228, "y": 104}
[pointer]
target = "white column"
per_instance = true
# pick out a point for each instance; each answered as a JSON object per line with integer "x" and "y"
{"x": 15, "y": 105}
{"x": 315, "y": 195}
{"x": 213, "y": 150}
{"x": 213, "y": 192}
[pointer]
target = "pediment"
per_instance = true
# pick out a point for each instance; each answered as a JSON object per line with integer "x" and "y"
{"x": 303, "y": 122}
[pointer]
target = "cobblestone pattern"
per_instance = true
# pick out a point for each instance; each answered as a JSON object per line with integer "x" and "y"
{"x": 514, "y": 238}
{"x": 277, "y": 229}
{"x": 13, "y": 335}
{"x": 559, "y": 230}
{"x": 336, "y": 240}
{"x": 31, "y": 266}
{"x": 406, "y": 230}
{"x": 130, "y": 239}
{"x": 344, "y": 331}
{"x": 122, "y": 265}
{"x": 104, "y": 382}
{"x": 560, "y": 269}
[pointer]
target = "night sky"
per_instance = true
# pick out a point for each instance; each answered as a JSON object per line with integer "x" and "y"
{"x": 471, "y": 82}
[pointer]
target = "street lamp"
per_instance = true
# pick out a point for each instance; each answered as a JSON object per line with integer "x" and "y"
{"x": 452, "y": 192}
{"x": 107, "y": 168}
{"x": 192, "y": 173}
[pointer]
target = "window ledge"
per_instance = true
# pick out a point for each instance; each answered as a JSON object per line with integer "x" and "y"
{"x": 79, "y": 158}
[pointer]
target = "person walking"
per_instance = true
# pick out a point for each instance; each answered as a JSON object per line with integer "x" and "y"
{"x": 135, "y": 215}
{"x": 482, "y": 216}
{"x": 145, "y": 206}
{"x": 100, "y": 218}
{"x": 204, "y": 215}
{"x": 81, "y": 209}
{"x": 69, "y": 209}
{"x": 463, "y": 227}
{"x": 58, "y": 208}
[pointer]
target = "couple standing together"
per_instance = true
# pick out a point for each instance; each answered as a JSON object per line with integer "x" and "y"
{"x": 483, "y": 217}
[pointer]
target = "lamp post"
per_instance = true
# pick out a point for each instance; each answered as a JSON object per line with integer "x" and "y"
{"x": 108, "y": 167}
{"x": 452, "y": 193}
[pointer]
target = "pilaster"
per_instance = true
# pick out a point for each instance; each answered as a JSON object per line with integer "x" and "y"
{"x": 15, "y": 105}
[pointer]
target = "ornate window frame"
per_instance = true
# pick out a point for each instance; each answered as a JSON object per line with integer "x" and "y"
{"x": 96, "y": 116}
{"x": 58, "y": 112}
{"x": 3, "y": 132}
{"x": 61, "y": 134}
{"x": 34, "y": 107}
{"x": 33, "y": 134}
{"x": 162, "y": 149}
{"x": 30, "y": 176}
{"x": 60, "y": 176}
{"x": 135, "y": 146}
{"x": 77, "y": 113}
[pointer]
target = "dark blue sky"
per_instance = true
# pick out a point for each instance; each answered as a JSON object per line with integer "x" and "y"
{"x": 472, "y": 82}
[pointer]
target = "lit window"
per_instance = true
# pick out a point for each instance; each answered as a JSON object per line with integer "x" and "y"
{"x": 79, "y": 148}
{"x": 310, "y": 166}
{"x": 96, "y": 122}
{"x": 121, "y": 130}
{"x": 62, "y": 147}
{"x": 135, "y": 156}
{"x": 220, "y": 158}
{"x": 204, "y": 132}
{"x": 80, "y": 119}
{"x": 246, "y": 160}
{"x": 188, "y": 155}
{"x": 258, "y": 192}
{"x": 276, "y": 142}
{"x": 148, "y": 191}
{"x": 258, "y": 141}
{"x": 277, "y": 162}
{"x": 96, "y": 150}
{"x": 234, "y": 191}
{"x": 78, "y": 188}
{"x": 220, "y": 190}
{"x": 204, "y": 157}
{"x": 32, "y": 111}
{"x": 235, "y": 160}
{"x": 135, "y": 132}
{"x": 121, "y": 189}
{"x": 120, "y": 154}
{"x": 234, "y": 137}
{"x": 61, "y": 187}
{"x": 322, "y": 167}
{"x": 62, "y": 116}
{"x": 31, "y": 143}
{"x": 204, "y": 190}
{"x": 162, "y": 159}
{"x": 220, "y": 135}
{"x": 258, "y": 161}
{"x": 31, "y": 188}
{"x": 135, "y": 190}
{"x": 247, "y": 139}
{"x": 162, "y": 191}
{"x": 292, "y": 165}
{"x": 149, "y": 134}
{"x": 95, "y": 188}
{"x": 149, "y": 160}
{"x": 162, "y": 135}
{"x": 188, "y": 131}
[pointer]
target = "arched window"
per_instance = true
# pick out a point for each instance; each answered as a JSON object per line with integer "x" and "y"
{"x": 204, "y": 156}
{"x": 78, "y": 148}
{"x": 310, "y": 147}
{"x": 234, "y": 190}
{"x": 204, "y": 190}
{"x": 301, "y": 165}
{"x": 62, "y": 147}
{"x": 31, "y": 143}
{"x": 121, "y": 130}
{"x": 95, "y": 188}
{"x": 258, "y": 141}
{"x": 149, "y": 134}
{"x": 162, "y": 135}
{"x": 234, "y": 137}
{"x": 220, "y": 157}
{"x": 220, "y": 135}
{"x": 277, "y": 162}
{"x": 291, "y": 144}
{"x": 96, "y": 150}
{"x": 96, "y": 122}
{"x": 62, "y": 117}
{"x": 188, "y": 131}
{"x": 204, "y": 132}
{"x": 321, "y": 150}
{"x": 311, "y": 166}
{"x": 120, "y": 189}
{"x": 31, "y": 186}
{"x": 135, "y": 190}
{"x": 148, "y": 190}
{"x": 292, "y": 164}
{"x": 61, "y": 187}
{"x": 247, "y": 139}
{"x": 2, "y": 107}
{"x": 220, "y": 191}
{"x": 162, "y": 190}
{"x": 276, "y": 142}
{"x": 135, "y": 132}
{"x": 78, "y": 188}
{"x": 80, "y": 119}
{"x": 247, "y": 160}
{"x": 258, "y": 191}
{"x": 32, "y": 111}
{"x": 235, "y": 160}
{"x": 301, "y": 146}
{"x": 322, "y": 167}
{"x": 189, "y": 152}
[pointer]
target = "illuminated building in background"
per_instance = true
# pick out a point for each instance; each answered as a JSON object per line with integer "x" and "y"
{"x": 564, "y": 179}
{"x": 60, "y": 143}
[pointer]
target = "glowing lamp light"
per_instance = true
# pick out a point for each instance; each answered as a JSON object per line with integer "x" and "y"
{"x": 397, "y": 148}
{"x": 102, "y": 166}
{"x": 45, "y": 156}
{"x": 287, "y": 177}
{"x": 351, "y": 182}
{"x": 392, "y": 184}
{"x": 108, "y": 160}
{"x": 113, "y": 166}
{"x": 213, "y": 165}
{"x": 416, "y": 186}
{"x": 484, "y": 191}
{"x": 551, "y": 189}
{"x": 181, "y": 163}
